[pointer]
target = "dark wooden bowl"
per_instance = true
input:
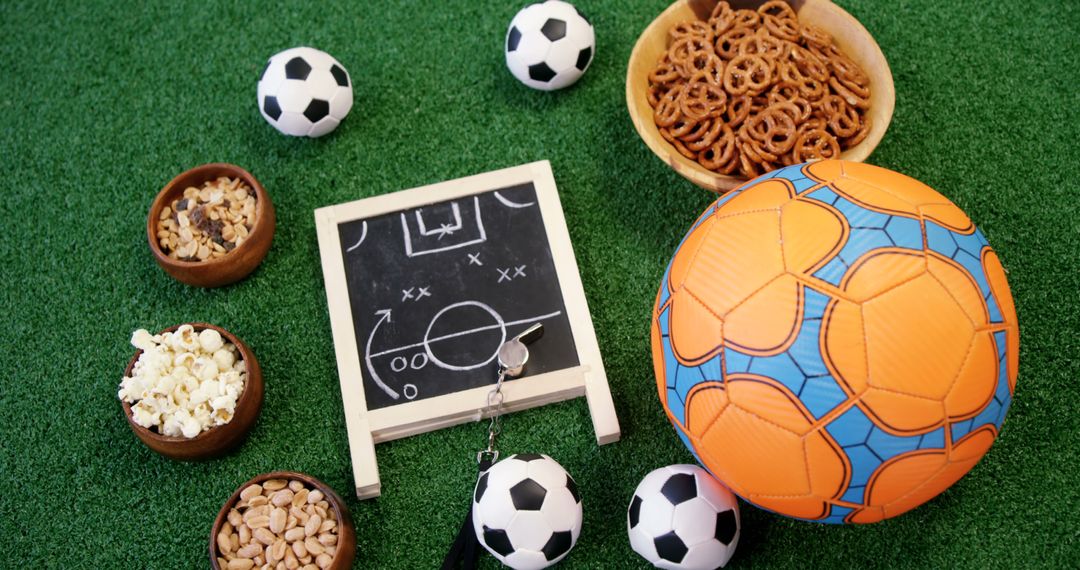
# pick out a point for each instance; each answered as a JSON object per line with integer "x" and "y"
{"x": 217, "y": 440}
{"x": 346, "y": 549}
{"x": 228, "y": 268}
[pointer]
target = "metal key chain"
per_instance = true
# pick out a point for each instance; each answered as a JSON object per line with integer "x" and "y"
{"x": 513, "y": 355}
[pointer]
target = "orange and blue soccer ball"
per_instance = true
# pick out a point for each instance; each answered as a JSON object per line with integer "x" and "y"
{"x": 836, "y": 342}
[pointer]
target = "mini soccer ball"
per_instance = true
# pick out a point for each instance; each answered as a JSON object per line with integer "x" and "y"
{"x": 550, "y": 45}
{"x": 527, "y": 511}
{"x": 836, "y": 342}
{"x": 304, "y": 92}
{"x": 681, "y": 518}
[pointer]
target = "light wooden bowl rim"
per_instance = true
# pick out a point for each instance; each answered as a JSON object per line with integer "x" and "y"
{"x": 346, "y": 530}
{"x": 249, "y": 397}
{"x": 883, "y": 94}
{"x": 204, "y": 173}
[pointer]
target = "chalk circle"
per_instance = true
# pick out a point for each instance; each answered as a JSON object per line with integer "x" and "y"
{"x": 423, "y": 360}
{"x": 410, "y": 391}
{"x": 499, "y": 323}
{"x": 399, "y": 363}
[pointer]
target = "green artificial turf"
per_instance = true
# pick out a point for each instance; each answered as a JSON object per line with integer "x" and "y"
{"x": 101, "y": 104}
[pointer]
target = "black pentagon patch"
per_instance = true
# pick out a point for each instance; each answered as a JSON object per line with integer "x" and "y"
{"x": 271, "y": 107}
{"x": 513, "y": 38}
{"x": 527, "y": 457}
{"x": 541, "y": 72}
{"x": 557, "y": 545}
{"x": 679, "y": 488}
{"x": 726, "y": 526}
{"x": 572, "y": 487}
{"x": 339, "y": 74}
{"x": 633, "y": 514}
{"x": 316, "y": 110}
{"x": 583, "y": 58}
{"x": 297, "y": 68}
{"x": 670, "y": 547}
{"x": 498, "y": 541}
{"x": 528, "y": 495}
{"x": 554, "y": 29}
{"x": 481, "y": 486}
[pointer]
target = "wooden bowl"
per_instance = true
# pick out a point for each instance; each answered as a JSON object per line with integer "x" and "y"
{"x": 228, "y": 268}
{"x": 217, "y": 440}
{"x": 847, "y": 32}
{"x": 346, "y": 549}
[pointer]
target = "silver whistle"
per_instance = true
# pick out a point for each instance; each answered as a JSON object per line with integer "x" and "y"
{"x": 514, "y": 354}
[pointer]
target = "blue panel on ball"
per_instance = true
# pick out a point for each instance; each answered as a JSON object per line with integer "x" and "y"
{"x": 823, "y": 195}
{"x": 862, "y": 241}
{"x": 863, "y": 463}
{"x": 821, "y": 395}
{"x": 886, "y": 446}
{"x": 850, "y": 428}
{"x": 815, "y": 303}
{"x": 833, "y": 271}
{"x": 780, "y": 368}
{"x": 859, "y": 217}
{"x": 933, "y": 440}
{"x": 854, "y": 494}
{"x": 736, "y": 361}
{"x": 836, "y": 515}
{"x": 959, "y": 430}
{"x": 663, "y": 322}
{"x": 806, "y": 351}
{"x": 940, "y": 240}
{"x": 905, "y": 232}
{"x": 712, "y": 369}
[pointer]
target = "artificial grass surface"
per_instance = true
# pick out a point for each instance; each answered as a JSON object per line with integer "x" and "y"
{"x": 101, "y": 105}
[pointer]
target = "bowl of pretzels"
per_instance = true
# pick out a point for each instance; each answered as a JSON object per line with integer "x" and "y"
{"x": 725, "y": 91}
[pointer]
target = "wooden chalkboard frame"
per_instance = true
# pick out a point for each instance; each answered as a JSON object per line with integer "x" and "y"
{"x": 368, "y": 427}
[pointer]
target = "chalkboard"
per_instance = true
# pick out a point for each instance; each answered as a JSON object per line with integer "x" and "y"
{"x": 435, "y": 290}
{"x": 424, "y": 285}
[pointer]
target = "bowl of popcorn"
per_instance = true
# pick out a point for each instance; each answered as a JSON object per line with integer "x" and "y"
{"x": 283, "y": 519}
{"x": 211, "y": 225}
{"x": 192, "y": 391}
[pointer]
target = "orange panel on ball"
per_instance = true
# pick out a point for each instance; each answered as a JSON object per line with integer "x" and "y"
{"x": 917, "y": 338}
{"x": 999, "y": 285}
{"x": 844, "y": 345}
{"x": 767, "y": 399}
{"x": 687, "y": 252}
{"x": 949, "y": 216}
{"x": 695, "y": 332}
{"x": 768, "y": 195}
{"x": 881, "y": 270}
{"x": 812, "y": 233}
{"x": 903, "y": 413}
{"x": 704, "y": 404}
{"x": 891, "y": 182}
{"x": 769, "y": 320}
{"x": 754, "y": 456}
{"x": 974, "y": 385}
{"x": 871, "y": 196}
{"x": 958, "y": 282}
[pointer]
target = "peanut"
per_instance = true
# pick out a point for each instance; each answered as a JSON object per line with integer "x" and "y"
{"x": 282, "y": 498}
{"x": 295, "y": 485}
{"x": 294, "y": 534}
{"x": 312, "y": 525}
{"x": 241, "y": 564}
{"x": 315, "y": 496}
{"x": 250, "y": 551}
{"x": 264, "y": 536}
{"x": 278, "y": 518}
{"x": 299, "y": 549}
{"x": 323, "y": 560}
{"x": 275, "y": 484}
{"x": 313, "y": 546}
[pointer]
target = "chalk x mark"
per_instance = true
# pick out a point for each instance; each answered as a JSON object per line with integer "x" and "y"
{"x": 519, "y": 271}
{"x": 474, "y": 258}
{"x": 504, "y": 275}
{"x": 510, "y": 204}
{"x": 363, "y": 235}
{"x": 423, "y": 293}
{"x": 407, "y": 294}
{"x": 384, "y": 317}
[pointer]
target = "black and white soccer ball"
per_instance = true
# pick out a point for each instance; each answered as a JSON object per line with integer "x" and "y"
{"x": 304, "y": 92}
{"x": 681, "y": 518}
{"x": 527, "y": 511}
{"x": 549, "y": 45}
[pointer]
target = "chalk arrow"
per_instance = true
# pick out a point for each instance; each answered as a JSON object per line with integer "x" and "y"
{"x": 384, "y": 316}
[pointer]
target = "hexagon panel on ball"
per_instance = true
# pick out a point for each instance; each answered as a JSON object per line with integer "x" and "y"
{"x": 304, "y": 92}
{"x": 549, "y": 45}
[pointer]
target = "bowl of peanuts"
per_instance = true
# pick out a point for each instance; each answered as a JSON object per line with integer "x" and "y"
{"x": 192, "y": 391}
{"x": 211, "y": 225}
{"x": 725, "y": 91}
{"x": 286, "y": 520}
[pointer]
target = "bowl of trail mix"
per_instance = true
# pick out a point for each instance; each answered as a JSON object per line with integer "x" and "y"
{"x": 211, "y": 225}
